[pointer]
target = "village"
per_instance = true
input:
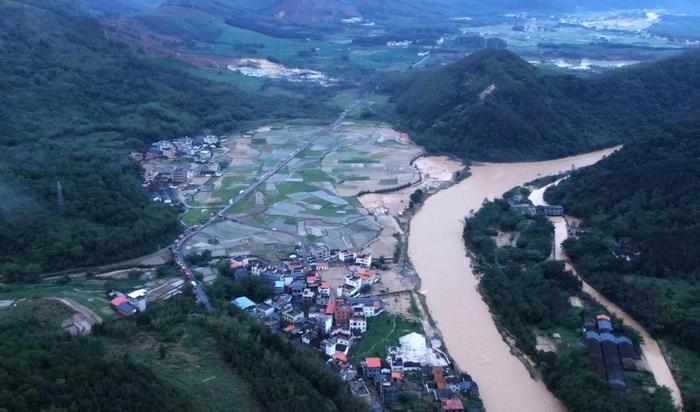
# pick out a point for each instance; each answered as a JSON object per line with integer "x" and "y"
{"x": 184, "y": 162}
{"x": 334, "y": 320}
{"x": 327, "y": 290}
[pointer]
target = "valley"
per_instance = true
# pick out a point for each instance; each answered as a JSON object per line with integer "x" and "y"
{"x": 266, "y": 204}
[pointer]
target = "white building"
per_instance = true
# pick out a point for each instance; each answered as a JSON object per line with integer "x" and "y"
{"x": 358, "y": 323}
{"x": 364, "y": 260}
{"x": 138, "y": 298}
{"x": 328, "y": 346}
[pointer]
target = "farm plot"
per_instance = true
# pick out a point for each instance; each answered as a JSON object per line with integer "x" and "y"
{"x": 313, "y": 198}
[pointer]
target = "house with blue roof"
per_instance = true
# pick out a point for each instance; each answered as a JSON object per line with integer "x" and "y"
{"x": 243, "y": 303}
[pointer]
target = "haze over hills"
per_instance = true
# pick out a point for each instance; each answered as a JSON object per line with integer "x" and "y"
{"x": 492, "y": 105}
{"x": 317, "y": 11}
{"x": 73, "y": 104}
{"x": 314, "y": 18}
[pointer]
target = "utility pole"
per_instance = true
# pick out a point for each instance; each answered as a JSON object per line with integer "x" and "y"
{"x": 59, "y": 194}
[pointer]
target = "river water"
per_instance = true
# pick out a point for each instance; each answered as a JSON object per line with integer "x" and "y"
{"x": 650, "y": 348}
{"x": 439, "y": 256}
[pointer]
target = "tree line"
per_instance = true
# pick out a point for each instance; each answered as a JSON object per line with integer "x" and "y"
{"x": 493, "y": 105}
{"x": 640, "y": 243}
{"x": 529, "y": 296}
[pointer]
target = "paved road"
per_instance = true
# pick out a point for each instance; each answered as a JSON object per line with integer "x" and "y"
{"x": 198, "y": 288}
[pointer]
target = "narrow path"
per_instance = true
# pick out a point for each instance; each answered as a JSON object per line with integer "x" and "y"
{"x": 77, "y": 307}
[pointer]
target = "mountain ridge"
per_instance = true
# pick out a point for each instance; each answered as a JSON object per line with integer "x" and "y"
{"x": 492, "y": 105}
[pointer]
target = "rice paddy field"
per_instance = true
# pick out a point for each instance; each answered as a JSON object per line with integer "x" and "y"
{"x": 313, "y": 198}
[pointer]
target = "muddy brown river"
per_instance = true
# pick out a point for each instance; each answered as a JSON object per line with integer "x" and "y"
{"x": 438, "y": 254}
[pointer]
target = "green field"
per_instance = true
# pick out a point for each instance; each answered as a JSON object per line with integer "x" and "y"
{"x": 193, "y": 216}
{"x": 314, "y": 175}
{"x": 389, "y": 182}
{"x": 382, "y": 331}
{"x": 242, "y": 206}
{"x": 287, "y": 188}
{"x": 89, "y": 293}
{"x": 362, "y": 160}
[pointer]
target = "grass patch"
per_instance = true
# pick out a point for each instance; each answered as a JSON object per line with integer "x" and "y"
{"x": 362, "y": 160}
{"x": 353, "y": 178}
{"x": 193, "y": 216}
{"x": 382, "y": 331}
{"x": 389, "y": 182}
{"x": 314, "y": 175}
{"x": 226, "y": 193}
{"x": 194, "y": 366}
{"x": 242, "y": 206}
{"x": 308, "y": 153}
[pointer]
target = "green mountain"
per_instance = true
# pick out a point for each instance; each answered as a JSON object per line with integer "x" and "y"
{"x": 177, "y": 356}
{"x": 492, "y": 105}
{"x": 73, "y": 103}
{"x": 641, "y": 243}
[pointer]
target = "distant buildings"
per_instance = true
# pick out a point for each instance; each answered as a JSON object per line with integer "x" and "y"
{"x": 554, "y": 210}
{"x": 305, "y": 308}
{"x": 129, "y": 304}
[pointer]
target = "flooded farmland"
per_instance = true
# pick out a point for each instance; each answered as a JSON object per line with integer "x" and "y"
{"x": 439, "y": 256}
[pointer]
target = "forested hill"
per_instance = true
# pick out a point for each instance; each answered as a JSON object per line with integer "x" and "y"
{"x": 72, "y": 103}
{"x": 648, "y": 193}
{"x": 641, "y": 244}
{"x": 492, "y": 105}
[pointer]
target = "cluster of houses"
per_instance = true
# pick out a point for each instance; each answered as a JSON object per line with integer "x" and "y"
{"x": 307, "y": 306}
{"x": 608, "y": 354}
{"x": 198, "y": 150}
{"x": 129, "y": 304}
{"x": 414, "y": 355}
{"x": 530, "y": 209}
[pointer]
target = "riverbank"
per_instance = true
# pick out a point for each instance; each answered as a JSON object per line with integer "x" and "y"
{"x": 450, "y": 286}
{"x": 655, "y": 357}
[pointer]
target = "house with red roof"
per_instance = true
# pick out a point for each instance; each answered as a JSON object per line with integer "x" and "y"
{"x": 122, "y": 306}
{"x": 453, "y": 405}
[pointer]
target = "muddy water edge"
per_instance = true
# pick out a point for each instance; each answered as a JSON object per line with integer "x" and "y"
{"x": 439, "y": 256}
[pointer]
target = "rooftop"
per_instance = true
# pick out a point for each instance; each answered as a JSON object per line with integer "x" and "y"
{"x": 243, "y": 302}
{"x": 373, "y": 362}
{"x": 452, "y": 405}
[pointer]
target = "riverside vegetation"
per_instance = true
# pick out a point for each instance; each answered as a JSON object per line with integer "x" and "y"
{"x": 639, "y": 245}
{"x": 529, "y": 296}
